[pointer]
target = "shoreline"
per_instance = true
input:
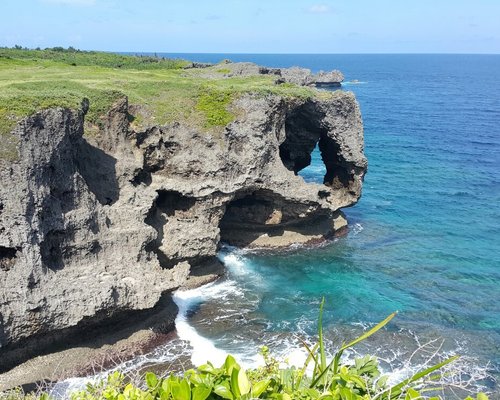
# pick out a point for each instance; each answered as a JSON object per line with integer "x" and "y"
{"x": 134, "y": 366}
{"x": 96, "y": 355}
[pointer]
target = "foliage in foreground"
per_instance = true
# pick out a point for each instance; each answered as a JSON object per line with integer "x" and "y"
{"x": 318, "y": 379}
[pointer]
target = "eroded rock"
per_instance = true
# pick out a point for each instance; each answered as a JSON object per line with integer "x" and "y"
{"x": 92, "y": 228}
{"x": 296, "y": 75}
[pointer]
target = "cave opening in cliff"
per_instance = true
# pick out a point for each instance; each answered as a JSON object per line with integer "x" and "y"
{"x": 310, "y": 152}
{"x": 169, "y": 202}
{"x": 249, "y": 209}
{"x": 251, "y": 212}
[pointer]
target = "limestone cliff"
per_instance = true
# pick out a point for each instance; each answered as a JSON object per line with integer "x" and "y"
{"x": 93, "y": 227}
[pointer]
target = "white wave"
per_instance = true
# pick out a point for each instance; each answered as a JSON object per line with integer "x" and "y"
{"x": 355, "y": 82}
{"x": 239, "y": 267}
{"x": 63, "y": 389}
{"x": 235, "y": 263}
{"x": 357, "y": 228}
{"x": 203, "y": 349}
{"x": 296, "y": 357}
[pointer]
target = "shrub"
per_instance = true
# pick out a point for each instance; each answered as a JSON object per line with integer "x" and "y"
{"x": 214, "y": 103}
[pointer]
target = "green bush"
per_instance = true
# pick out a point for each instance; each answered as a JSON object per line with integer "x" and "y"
{"x": 214, "y": 103}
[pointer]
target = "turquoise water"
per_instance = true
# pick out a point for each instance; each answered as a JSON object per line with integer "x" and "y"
{"x": 424, "y": 238}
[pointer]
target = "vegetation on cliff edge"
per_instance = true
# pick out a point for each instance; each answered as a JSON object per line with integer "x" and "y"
{"x": 159, "y": 90}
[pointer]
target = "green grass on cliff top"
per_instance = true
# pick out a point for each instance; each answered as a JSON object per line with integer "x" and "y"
{"x": 159, "y": 90}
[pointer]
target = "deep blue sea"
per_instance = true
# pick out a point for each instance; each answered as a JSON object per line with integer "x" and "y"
{"x": 424, "y": 238}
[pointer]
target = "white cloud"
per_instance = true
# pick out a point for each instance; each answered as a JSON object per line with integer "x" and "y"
{"x": 71, "y": 2}
{"x": 319, "y": 9}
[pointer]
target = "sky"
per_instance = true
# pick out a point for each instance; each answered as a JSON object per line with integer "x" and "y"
{"x": 270, "y": 26}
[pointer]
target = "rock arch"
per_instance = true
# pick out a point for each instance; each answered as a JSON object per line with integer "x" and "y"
{"x": 305, "y": 128}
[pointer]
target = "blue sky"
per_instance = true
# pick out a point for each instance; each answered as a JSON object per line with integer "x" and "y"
{"x": 271, "y": 26}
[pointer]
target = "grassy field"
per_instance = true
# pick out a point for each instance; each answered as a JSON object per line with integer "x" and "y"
{"x": 160, "y": 90}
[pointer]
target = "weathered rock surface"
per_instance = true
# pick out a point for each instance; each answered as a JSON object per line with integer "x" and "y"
{"x": 73, "y": 231}
{"x": 97, "y": 227}
{"x": 329, "y": 78}
{"x": 296, "y": 75}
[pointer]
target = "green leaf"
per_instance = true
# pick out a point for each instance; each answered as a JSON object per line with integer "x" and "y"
{"x": 201, "y": 392}
{"x": 230, "y": 364}
{"x": 312, "y": 393}
{"x": 194, "y": 378}
{"x": 207, "y": 368}
{"x": 382, "y": 381}
{"x": 235, "y": 388}
{"x": 310, "y": 356}
{"x": 243, "y": 383}
{"x": 151, "y": 380}
{"x": 360, "y": 383}
{"x": 482, "y": 396}
{"x": 181, "y": 390}
{"x": 223, "y": 392}
{"x": 259, "y": 387}
{"x": 128, "y": 389}
{"x": 347, "y": 394}
{"x": 412, "y": 394}
{"x": 370, "y": 332}
{"x": 396, "y": 389}
{"x": 164, "y": 395}
{"x": 165, "y": 386}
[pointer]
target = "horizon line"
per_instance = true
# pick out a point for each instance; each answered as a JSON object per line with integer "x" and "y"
{"x": 264, "y": 53}
{"x": 267, "y": 53}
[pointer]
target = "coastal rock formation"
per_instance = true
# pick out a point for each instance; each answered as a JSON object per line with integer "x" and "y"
{"x": 95, "y": 227}
{"x": 296, "y": 75}
{"x": 330, "y": 78}
{"x": 304, "y": 77}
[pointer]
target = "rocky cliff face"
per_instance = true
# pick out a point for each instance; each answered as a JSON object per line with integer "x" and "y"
{"x": 96, "y": 227}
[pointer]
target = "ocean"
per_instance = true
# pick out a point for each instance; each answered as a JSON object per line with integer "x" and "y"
{"x": 424, "y": 239}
